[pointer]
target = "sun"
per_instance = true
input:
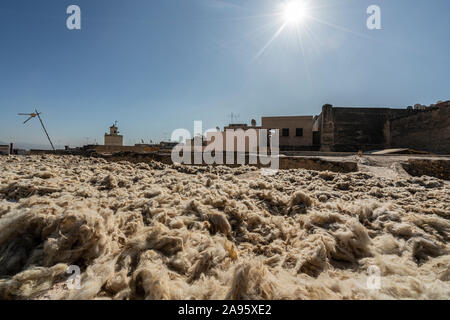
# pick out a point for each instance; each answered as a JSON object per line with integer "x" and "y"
{"x": 294, "y": 12}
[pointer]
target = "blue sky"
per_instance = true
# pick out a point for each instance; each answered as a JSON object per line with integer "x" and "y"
{"x": 159, "y": 65}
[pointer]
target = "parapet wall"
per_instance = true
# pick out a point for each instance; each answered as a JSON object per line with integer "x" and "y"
{"x": 354, "y": 129}
{"x": 433, "y": 168}
{"x": 112, "y": 149}
{"x": 427, "y": 130}
{"x": 100, "y": 149}
{"x": 285, "y": 162}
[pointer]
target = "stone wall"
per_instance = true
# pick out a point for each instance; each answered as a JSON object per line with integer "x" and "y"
{"x": 318, "y": 164}
{"x": 112, "y": 149}
{"x": 4, "y": 149}
{"x": 285, "y": 162}
{"x": 354, "y": 129}
{"x": 326, "y": 128}
{"x": 113, "y": 140}
{"x": 427, "y": 130}
{"x": 427, "y": 167}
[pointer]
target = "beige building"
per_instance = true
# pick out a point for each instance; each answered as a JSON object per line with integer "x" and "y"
{"x": 4, "y": 149}
{"x": 296, "y": 133}
{"x": 113, "y": 138}
{"x": 246, "y": 138}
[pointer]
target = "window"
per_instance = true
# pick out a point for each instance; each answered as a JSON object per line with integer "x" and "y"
{"x": 285, "y": 132}
{"x": 299, "y": 132}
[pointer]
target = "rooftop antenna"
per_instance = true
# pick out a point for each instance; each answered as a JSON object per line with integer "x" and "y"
{"x": 234, "y": 117}
{"x": 37, "y": 114}
{"x": 115, "y": 125}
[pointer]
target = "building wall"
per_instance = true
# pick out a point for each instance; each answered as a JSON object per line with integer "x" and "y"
{"x": 354, "y": 129}
{"x": 326, "y": 128}
{"x": 427, "y": 130}
{"x": 292, "y": 123}
{"x": 112, "y": 149}
{"x": 242, "y": 133}
{"x": 288, "y": 162}
{"x": 113, "y": 140}
{"x": 4, "y": 149}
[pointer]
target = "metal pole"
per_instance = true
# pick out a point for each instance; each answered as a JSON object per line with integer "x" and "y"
{"x": 42, "y": 123}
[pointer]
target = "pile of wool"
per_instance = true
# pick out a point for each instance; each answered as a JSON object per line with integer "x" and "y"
{"x": 155, "y": 231}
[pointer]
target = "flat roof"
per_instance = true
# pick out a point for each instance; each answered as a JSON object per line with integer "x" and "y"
{"x": 286, "y": 117}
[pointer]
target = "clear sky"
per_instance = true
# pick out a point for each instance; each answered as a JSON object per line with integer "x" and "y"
{"x": 158, "y": 65}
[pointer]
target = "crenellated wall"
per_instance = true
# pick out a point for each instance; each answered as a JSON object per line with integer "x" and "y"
{"x": 427, "y": 130}
{"x": 354, "y": 129}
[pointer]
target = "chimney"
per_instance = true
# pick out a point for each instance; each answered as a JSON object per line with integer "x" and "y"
{"x": 11, "y": 148}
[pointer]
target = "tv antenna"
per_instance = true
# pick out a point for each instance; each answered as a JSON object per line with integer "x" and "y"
{"x": 34, "y": 115}
{"x": 234, "y": 117}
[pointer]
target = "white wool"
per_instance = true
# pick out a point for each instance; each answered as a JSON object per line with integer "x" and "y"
{"x": 156, "y": 231}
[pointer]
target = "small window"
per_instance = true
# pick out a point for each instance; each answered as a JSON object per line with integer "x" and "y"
{"x": 299, "y": 132}
{"x": 285, "y": 132}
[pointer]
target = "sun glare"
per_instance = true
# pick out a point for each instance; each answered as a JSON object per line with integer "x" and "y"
{"x": 294, "y": 12}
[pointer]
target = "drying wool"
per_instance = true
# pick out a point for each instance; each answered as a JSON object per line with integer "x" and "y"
{"x": 156, "y": 231}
